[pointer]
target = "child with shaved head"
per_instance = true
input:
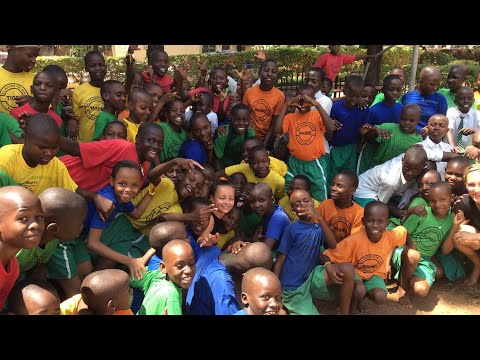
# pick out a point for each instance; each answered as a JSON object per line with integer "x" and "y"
{"x": 21, "y": 227}
{"x": 107, "y": 292}
{"x": 163, "y": 288}
{"x": 213, "y": 290}
{"x": 33, "y": 297}
{"x": 261, "y": 293}
{"x": 64, "y": 211}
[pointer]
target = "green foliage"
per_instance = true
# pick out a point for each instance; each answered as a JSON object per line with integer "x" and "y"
{"x": 436, "y": 58}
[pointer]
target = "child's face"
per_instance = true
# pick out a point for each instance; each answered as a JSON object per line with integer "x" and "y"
{"x": 22, "y": 224}
{"x": 238, "y": 181}
{"x": 244, "y": 198}
{"x": 313, "y": 78}
{"x": 150, "y": 143}
{"x": 224, "y": 198}
{"x": 455, "y": 79}
{"x": 472, "y": 183}
{"x": 176, "y": 115}
{"x": 190, "y": 185}
{"x": 115, "y": 131}
{"x": 411, "y": 168}
{"x": 218, "y": 80}
{"x": 327, "y": 87}
{"x": 440, "y": 201}
{"x": 209, "y": 174}
{"x": 409, "y": 119}
{"x": 141, "y": 109}
{"x": 41, "y": 149}
{"x": 341, "y": 188}
{"x": 232, "y": 219}
{"x": 429, "y": 83}
{"x": 96, "y": 67}
{"x": 393, "y": 89}
{"x": 464, "y": 99}
{"x": 231, "y": 104}
{"x": 179, "y": 265}
{"x": 246, "y": 146}
{"x": 454, "y": 175}
{"x": 198, "y": 227}
{"x": 201, "y": 130}
{"x": 300, "y": 200}
{"x": 260, "y": 164}
{"x": 352, "y": 95}
{"x": 375, "y": 222}
{"x": 44, "y": 88}
{"x": 263, "y": 296}
{"x": 334, "y": 49}
{"x": 305, "y": 107}
{"x": 261, "y": 202}
{"x": 70, "y": 228}
{"x": 234, "y": 97}
{"x": 116, "y": 96}
{"x": 175, "y": 174}
{"x": 368, "y": 94}
{"x": 24, "y": 58}
{"x": 205, "y": 105}
{"x": 156, "y": 92}
{"x": 138, "y": 81}
{"x": 437, "y": 128}
{"x": 126, "y": 184}
{"x": 399, "y": 73}
{"x": 160, "y": 63}
{"x": 428, "y": 180}
{"x": 42, "y": 302}
{"x": 297, "y": 184}
{"x": 241, "y": 121}
{"x": 269, "y": 74}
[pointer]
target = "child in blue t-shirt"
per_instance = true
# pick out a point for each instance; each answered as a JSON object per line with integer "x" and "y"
{"x": 301, "y": 244}
{"x": 199, "y": 145}
{"x": 348, "y": 119}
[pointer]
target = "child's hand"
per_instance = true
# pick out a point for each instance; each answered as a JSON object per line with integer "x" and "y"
{"x": 222, "y": 95}
{"x": 459, "y": 150}
{"x": 424, "y": 131}
{"x": 459, "y": 219}
{"x": 236, "y": 247}
{"x": 333, "y": 274}
{"x": 362, "y": 103}
{"x": 188, "y": 164}
{"x": 22, "y": 119}
{"x": 104, "y": 206}
{"x": 243, "y": 74}
{"x": 365, "y": 129}
{"x": 23, "y": 99}
{"x": 196, "y": 97}
{"x": 261, "y": 55}
{"x": 72, "y": 128}
{"x": 208, "y": 240}
{"x": 338, "y": 124}
{"x": 203, "y": 67}
{"x": 417, "y": 210}
{"x": 169, "y": 96}
{"x": 308, "y": 101}
{"x": 294, "y": 101}
{"x": 460, "y": 198}
{"x": 203, "y": 213}
{"x": 307, "y": 211}
{"x": 384, "y": 134}
{"x": 222, "y": 130}
{"x": 472, "y": 152}
{"x": 137, "y": 268}
{"x": 466, "y": 131}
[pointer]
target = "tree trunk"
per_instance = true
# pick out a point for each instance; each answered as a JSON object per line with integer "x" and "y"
{"x": 373, "y": 75}
{"x": 150, "y": 48}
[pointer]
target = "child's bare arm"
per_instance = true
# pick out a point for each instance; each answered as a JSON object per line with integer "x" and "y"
{"x": 141, "y": 206}
{"x": 148, "y": 255}
{"x": 270, "y": 133}
{"x": 448, "y": 244}
{"x": 69, "y": 146}
{"x": 279, "y": 121}
{"x": 277, "y": 267}
{"x": 450, "y": 139}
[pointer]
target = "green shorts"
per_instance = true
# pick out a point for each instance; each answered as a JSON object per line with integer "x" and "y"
{"x": 365, "y": 159}
{"x": 63, "y": 263}
{"x": 342, "y": 158}
{"x": 374, "y": 282}
{"x": 300, "y": 300}
{"x": 315, "y": 170}
{"x": 122, "y": 237}
{"x": 425, "y": 269}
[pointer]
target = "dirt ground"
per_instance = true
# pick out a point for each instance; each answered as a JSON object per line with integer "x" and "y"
{"x": 445, "y": 298}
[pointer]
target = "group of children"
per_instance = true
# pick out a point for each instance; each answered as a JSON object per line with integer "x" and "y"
{"x": 153, "y": 198}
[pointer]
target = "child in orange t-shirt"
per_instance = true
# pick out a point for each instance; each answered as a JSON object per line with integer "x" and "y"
{"x": 343, "y": 216}
{"x": 305, "y": 141}
{"x": 367, "y": 250}
{"x": 265, "y": 102}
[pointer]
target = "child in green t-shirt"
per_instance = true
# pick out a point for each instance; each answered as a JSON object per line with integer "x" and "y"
{"x": 416, "y": 269}
{"x": 163, "y": 288}
{"x": 174, "y": 134}
{"x": 113, "y": 94}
